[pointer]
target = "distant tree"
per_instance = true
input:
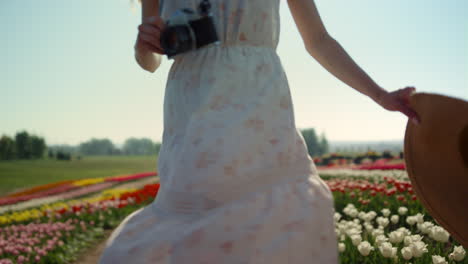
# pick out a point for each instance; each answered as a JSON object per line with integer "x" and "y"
{"x": 51, "y": 154}
{"x": 310, "y": 137}
{"x": 157, "y": 147}
{"x": 23, "y": 145}
{"x": 387, "y": 154}
{"x": 98, "y": 147}
{"x": 7, "y": 148}
{"x": 63, "y": 156}
{"x": 64, "y": 148}
{"x": 38, "y": 147}
{"x": 135, "y": 146}
{"x": 323, "y": 145}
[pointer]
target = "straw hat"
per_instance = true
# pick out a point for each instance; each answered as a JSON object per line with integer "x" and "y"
{"x": 436, "y": 156}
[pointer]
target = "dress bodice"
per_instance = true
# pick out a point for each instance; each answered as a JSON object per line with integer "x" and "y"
{"x": 238, "y": 22}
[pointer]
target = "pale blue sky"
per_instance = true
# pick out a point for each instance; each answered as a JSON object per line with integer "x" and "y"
{"x": 68, "y": 73}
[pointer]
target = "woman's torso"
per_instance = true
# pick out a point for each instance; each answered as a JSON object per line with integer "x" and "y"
{"x": 238, "y": 22}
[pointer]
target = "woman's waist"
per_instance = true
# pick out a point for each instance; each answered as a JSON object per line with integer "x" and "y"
{"x": 233, "y": 58}
{"x": 211, "y": 50}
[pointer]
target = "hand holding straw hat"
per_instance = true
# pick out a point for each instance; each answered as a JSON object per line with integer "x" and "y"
{"x": 436, "y": 157}
{"x": 399, "y": 101}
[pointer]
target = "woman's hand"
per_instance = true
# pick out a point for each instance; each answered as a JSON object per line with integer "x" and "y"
{"x": 399, "y": 101}
{"x": 149, "y": 35}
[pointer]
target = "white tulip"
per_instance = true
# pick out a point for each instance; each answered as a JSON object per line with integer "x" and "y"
{"x": 385, "y": 212}
{"x": 405, "y": 230}
{"x": 458, "y": 254}
{"x": 342, "y": 237}
{"x": 425, "y": 227}
{"x": 382, "y": 221}
{"x": 342, "y": 227}
{"x": 394, "y": 219}
{"x": 353, "y": 213}
{"x": 371, "y": 215}
{"x": 356, "y": 239}
{"x": 407, "y": 253}
{"x": 439, "y": 234}
{"x": 387, "y": 250}
{"x": 419, "y": 218}
{"x": 353, "y": 231}
{"x": 377, "y": 231}
{"x": 407, "y": 240}
{"x": 365, "y": 248}
{"x": 412, "y": 239}
{"x": 368, "y": 227}
{"x": 402, "y": 210}
{"x": 396, "y": 237}
{"x": 337, "y": 216}
{"x": 418, "y": 249}
{"x": 411, "y": 220}
{"x": 341, "y": 247}
{"x": 436, "y": 259}
{"x": 380, "y": 239}
{"x": 351, "y": 210}
{"x": 362, "y": 215}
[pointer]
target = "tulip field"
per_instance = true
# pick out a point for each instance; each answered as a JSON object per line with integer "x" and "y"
{"x": 378, "y": 218}
{"x": 58, "y": 231}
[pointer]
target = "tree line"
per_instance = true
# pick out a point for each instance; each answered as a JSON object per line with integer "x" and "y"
{"x": 22, "y": 146}
{"x": 28, "y": 146}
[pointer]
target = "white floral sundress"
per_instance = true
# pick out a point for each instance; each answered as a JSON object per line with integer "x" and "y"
{"x": 237, "y": 183}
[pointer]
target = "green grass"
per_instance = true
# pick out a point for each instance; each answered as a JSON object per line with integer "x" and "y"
{"x": 20, "y": 174}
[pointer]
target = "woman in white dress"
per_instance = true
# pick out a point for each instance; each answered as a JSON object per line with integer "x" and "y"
{"x": 237, "y": 183}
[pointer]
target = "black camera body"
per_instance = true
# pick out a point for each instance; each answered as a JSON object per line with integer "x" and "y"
{"x": 186, "y": 30}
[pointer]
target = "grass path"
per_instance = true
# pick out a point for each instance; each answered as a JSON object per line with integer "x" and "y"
{"x": 93, "y": 253}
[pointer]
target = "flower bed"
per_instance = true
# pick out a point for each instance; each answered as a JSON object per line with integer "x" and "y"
{"x": 56, "y": 190}
{"x": 46, "y": 190}
{"x": 57, "y": 233}
{"x": 132, "y": 177}
{"x": 39, "y": 188}
{"x": 400, "y": 166}
{"x": 380, "y": 220}
{"x": 94, "y": 203}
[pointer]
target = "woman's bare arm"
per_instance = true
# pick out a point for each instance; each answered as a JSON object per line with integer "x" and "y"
{"x": 149, "y": 61}
{"x": 328, "y": 52}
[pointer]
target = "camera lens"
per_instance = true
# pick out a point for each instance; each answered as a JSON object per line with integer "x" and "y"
{"x": 176, "y": 39}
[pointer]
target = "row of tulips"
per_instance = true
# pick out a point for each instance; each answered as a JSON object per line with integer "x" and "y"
{"x": 44, "y": 193}
{"x": 39, "y": 188}
{"x": 131, "y": 177}
{"x": 65, "y": 187}
{"x": 58, "y": 235}
{"x": 29, "y": 215}
{"x": 400, "y": 166}
{"x": 382, "y": 221}
{"x": 374, "y": 175}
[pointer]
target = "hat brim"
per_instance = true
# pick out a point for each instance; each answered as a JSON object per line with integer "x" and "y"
{"x": 436, "y": 159}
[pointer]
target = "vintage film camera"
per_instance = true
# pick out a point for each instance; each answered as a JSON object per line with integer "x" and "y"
{"x": 186, "y": 30}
